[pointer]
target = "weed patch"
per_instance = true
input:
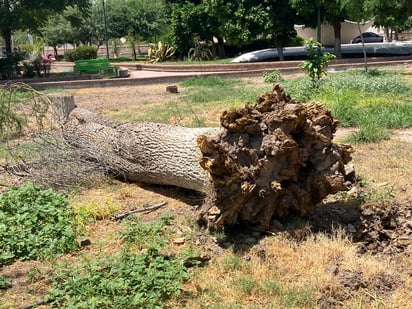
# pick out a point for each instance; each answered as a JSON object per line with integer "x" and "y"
{"x": 5, "y": 283}
{"x": 130, "y": 279}
{"x": 135, "y": 232}
{"x": 35, "y": 223}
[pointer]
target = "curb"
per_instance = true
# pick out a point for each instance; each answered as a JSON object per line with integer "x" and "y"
{"x": 176, "y": 73}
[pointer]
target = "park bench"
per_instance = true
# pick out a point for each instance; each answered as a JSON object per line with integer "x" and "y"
{"x": 95, "y": 65}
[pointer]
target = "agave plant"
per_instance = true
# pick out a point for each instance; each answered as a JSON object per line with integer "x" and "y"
{"x": 159, "y": 52}
{"x": 200, "y": 52}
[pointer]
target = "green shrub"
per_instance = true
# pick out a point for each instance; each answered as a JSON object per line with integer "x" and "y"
{"x": 83, "y": 52}
{"x": 160, "y": 52}
{"x": 10, "y": 66}
{"x": 200, "y": 52}
{"x": 296, "y": 41}
{"x": 69, "y": 55}
{"x": 28, "y": 70}
{"x": 35, "y": 223}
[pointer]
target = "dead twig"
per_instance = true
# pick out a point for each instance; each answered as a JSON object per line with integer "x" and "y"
{"x": 146, "y": 209}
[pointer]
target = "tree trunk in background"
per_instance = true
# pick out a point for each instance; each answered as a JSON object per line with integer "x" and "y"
{"x": 337, "y": 31}
{"x": 221, "y": 48}
{"x": 7, "y": 39}
{"x": 280, "y": 53}
{"x": 270, "y": 158}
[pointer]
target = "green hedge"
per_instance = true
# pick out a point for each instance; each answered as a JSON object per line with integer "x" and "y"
{"x": 81, "y": 53}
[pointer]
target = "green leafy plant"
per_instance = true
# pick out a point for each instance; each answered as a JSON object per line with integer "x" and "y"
{"x": 35, "y": 223}
{"x": 273, "y": 77}
{"x": 5, "y": 283}
{"x": 159, "y": 52}
{"x": 130, "y": 279}
{"x": 317, "y": 62}
{"x": 200, "y": 52}
{"x": 125, "y": 281}
{"x": 35, "y": 49}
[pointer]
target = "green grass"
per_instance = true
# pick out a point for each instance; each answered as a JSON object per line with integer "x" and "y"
{"x": 245, "y": 284}
{"x": 375, "y": 103}
{"x": 216, "y": 91}
{"x": 201, "y": 96}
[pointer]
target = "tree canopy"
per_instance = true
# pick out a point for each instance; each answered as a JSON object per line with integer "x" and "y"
{"x": 30, "y": 14}
{"x": 392, "y": 14}
{"x": 237, "y": 23}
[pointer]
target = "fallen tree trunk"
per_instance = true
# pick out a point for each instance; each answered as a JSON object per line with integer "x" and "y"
{"x": 145, "y": 152}
{"x": 270, "y": 158}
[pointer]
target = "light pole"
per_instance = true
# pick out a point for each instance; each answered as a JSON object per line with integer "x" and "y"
{"x": 319, "y": 35}
{"x": 105, "y": 30}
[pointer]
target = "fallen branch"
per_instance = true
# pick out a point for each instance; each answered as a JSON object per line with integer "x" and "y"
{"x": 146, "y": 209}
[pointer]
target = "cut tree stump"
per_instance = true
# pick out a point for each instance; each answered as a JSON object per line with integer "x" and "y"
{"x": 270, "y": 158}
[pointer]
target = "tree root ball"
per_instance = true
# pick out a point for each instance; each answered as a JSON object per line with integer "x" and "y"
{"x": 274, "y": 157}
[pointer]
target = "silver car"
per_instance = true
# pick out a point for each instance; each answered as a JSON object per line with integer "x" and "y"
{"x": 368, "y": 37}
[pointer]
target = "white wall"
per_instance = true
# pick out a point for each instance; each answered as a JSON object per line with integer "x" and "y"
{"x": 348, "y": 32}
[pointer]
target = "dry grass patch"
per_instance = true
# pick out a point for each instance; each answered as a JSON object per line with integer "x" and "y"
{"x": 281, "y": 273}
{"x": 386, "y": 168}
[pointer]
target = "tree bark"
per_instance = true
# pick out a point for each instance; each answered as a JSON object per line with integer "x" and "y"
{"x": 269, "y": 158}
{"x": 145, "y": 152}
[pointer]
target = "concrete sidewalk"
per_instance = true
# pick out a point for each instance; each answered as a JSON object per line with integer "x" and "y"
{"x": 150, "y": 74}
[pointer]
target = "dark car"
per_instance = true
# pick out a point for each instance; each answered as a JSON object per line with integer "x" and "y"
{"x": 368, "y": 37}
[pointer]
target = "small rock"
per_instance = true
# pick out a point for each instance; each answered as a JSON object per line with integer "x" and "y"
{"x": 85, "y": 242}
{"x": 172, "y": 89}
